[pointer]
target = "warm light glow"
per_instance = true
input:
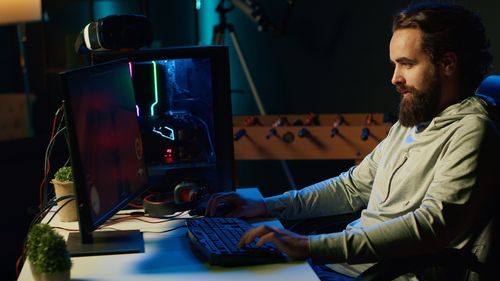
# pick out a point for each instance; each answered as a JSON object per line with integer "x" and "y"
{"x": 20, "y": 11}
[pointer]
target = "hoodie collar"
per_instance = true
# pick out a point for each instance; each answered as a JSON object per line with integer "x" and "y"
{"x": 472, "y": 105}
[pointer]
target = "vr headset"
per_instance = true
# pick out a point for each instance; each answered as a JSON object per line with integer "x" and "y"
{"x": 115, "y": 32}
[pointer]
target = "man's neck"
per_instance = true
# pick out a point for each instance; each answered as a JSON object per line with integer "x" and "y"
{"x": 451, "y": 93}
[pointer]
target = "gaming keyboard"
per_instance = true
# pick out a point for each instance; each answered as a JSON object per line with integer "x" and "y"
{"x": 217, "y": 239}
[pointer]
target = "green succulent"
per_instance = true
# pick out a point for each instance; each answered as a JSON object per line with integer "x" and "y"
{"x": 64, "y": 174}
{"x": 46, "y": 250}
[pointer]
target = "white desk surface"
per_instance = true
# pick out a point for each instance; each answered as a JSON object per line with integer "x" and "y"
{"x": 169, "y": 256}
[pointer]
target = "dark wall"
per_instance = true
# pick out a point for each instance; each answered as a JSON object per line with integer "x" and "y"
{"x": 333, "y": 58}
{"x": 21, "y": 170}
{"x": 10, "y": 74}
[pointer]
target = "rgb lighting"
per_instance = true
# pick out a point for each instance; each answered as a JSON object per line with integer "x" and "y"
{"x": 165, "y": 132}
{"x": 155, "y": 81}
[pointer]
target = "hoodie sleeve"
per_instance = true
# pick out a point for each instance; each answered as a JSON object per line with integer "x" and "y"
{"x": 346, "y": 193}
{"x": 455, "y": 201}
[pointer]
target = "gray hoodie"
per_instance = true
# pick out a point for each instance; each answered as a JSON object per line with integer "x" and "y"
{"x": 421, "y": 189}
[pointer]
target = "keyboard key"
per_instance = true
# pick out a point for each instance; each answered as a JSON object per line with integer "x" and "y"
{"x": 217, "y": 239}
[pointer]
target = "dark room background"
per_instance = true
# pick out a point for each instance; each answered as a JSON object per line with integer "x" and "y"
{"x": 332, "y": 58}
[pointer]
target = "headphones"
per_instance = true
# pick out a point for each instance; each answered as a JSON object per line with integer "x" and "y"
{"x": 186, "y": 196}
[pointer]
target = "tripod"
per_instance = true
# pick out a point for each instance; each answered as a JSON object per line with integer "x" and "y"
{"x": 218, "y": 39}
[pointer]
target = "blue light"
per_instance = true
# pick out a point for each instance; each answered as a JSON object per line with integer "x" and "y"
{"x": 165, "y": 132}
{"x": 208, "y": 18}
{"x": 106, "y": 8}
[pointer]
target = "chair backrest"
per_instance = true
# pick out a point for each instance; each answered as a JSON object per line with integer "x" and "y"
{"x": 490, "y": 89}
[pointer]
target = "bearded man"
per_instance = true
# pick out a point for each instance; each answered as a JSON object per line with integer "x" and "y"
{"x": 429, "y": 183}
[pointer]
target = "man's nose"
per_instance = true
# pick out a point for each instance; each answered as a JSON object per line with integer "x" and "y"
{"x": 397, "y": 77}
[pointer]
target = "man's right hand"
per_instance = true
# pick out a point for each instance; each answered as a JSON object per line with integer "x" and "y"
{"x": 234, "y": 205}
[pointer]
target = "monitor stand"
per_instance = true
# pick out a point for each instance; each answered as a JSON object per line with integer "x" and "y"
{"x": 106, "y": 243}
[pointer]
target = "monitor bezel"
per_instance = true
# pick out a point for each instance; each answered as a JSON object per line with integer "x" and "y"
{"x": 87, "y": 224}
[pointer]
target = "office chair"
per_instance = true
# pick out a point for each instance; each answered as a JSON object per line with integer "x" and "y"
{"x": 476, "y": 263}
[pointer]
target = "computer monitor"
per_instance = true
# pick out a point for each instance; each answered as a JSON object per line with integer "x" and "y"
{"x": 106, "y": 154}
{"x": 184, "y": 110}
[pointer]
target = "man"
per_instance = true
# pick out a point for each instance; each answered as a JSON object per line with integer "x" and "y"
{"x": 428, "y": 184}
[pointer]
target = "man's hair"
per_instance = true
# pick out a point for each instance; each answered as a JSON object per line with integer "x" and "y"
{"x": 450, "y": 28}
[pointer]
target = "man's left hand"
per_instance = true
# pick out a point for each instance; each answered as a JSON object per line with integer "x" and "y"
{"x": 294, "y": 245}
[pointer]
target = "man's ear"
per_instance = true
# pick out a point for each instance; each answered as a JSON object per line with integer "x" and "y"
{"x": 449, "y": 64}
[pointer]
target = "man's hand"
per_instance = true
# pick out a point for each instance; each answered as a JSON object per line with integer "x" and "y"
{"x": 234, "y": 205}
{"x": 294, "y": 245}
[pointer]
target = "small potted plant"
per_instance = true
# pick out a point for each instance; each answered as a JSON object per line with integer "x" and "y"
{"x": 47, "y": 254}
{"x": 63, "y": 186}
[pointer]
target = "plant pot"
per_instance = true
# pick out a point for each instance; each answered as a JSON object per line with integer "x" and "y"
{"x": 67, "y": 212}
{"x": 55, "y": 276}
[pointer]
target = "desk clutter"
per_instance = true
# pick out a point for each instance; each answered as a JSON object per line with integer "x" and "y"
{"x": 308, "y": 136}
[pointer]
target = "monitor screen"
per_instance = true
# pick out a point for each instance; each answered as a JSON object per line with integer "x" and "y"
{"x": 105, "y": 144}
{"x": 184, "y": 110}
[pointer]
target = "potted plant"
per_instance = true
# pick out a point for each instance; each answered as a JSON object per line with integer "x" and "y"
{"x": 47, "y": 254}
{"x": 63, "y": 186}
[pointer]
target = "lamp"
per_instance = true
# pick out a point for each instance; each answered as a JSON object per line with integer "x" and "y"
{"x": 20, "y": 12}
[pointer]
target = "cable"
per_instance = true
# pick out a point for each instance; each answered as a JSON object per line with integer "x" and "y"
{"x": 48, "y": 152}
{"x": 58, "y": 120}
{"x": 139, "y": 218}
{"x": 60, "y": 128}
{"x": 212, "y": 153}
{"x": 136, "y": 206}
{"x": 71, "y": 198}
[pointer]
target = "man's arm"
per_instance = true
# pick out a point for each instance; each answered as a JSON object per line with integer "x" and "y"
{"x": 347, "y": 193}
{"x": 453, "y": 204}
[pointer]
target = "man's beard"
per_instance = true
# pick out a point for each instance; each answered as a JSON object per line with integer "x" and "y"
{"x": 419, "y": 106}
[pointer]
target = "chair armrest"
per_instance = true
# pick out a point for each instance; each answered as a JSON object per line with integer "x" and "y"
{"x": 453, "y": 258}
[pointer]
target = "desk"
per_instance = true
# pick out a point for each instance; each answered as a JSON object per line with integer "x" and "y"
{"x": 169, "y": 256}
